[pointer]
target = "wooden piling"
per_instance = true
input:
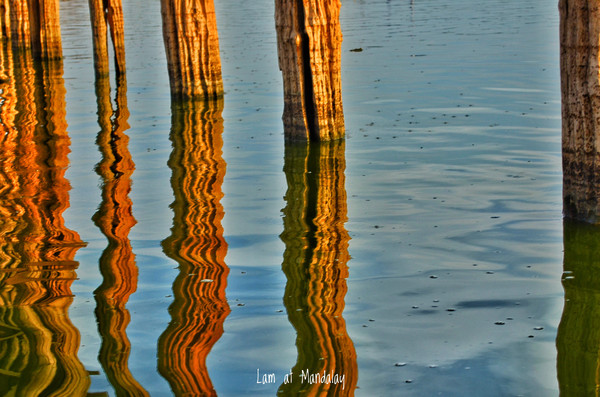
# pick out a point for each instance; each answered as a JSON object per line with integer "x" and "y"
{"x": 32, "y": 24}
{"x": 20, "y": 34}
{"x": 105, "y": 14}
{"x": 192, "y": 48}
{"x": 309, "y": 39}
{"x": 580, "y": 85}
{"x": 44, "y": 26}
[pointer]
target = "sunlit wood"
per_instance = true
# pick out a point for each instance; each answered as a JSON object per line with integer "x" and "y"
{"x": 315, "y": 265}
{"x": 105, "y": 14}
{"x": 309, "y": 44}
{"x": 197, "y": 244}
{"x": 192, "y": 48}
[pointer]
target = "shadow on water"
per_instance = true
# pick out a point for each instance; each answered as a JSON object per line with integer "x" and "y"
{"x": 200, "y": 307}
{"x": 115, "y": 219}
{"x": 315, "y": 265}
{"x": 38, "y": 342}
{"x": 578, "y": 339}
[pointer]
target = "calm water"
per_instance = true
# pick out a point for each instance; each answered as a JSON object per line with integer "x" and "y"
{"x": 421, "y": 256}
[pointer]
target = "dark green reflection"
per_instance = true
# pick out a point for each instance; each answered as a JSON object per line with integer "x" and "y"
{"x": 315, "y": 265}
{"x": 196, "y": 242}
{"x": 38, "y": 342}
{"x": 578, "y": 340}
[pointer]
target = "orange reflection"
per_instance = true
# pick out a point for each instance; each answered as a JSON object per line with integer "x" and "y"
{"x": 197, "y": 244}
{"x": 39, "y": 344}
{"x": 315, "y": 265}
{"x": 115, "y": 220}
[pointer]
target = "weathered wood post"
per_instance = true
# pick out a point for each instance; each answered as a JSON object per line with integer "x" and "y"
{"x": 104, "y": 13}
{"x": 309, "y": 38}
{"x": 33, "y": 24}
{"x": 44, "y": 25}
{"x": 580, "y": 85}
{"x": 20, "y": 33}
{"x": 192, "y": 48}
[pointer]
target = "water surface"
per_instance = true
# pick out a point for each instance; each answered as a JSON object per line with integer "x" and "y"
{"x": 420, "y": 256}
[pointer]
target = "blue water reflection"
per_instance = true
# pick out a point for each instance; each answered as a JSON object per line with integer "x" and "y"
{"x": 453, "y": 202}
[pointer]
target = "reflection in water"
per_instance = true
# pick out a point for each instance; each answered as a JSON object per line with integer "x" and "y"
{"x": 38, "y": 342}
{"x": 578, "y": 339}
{"x": 197, "y": 244}
{"x": 115, "y": 220}
{"x": 315, "y": 265}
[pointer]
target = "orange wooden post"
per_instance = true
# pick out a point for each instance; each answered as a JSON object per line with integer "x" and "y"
{"x": 192, "y": 48}
{"x": 309, "y": 39}
{"x": 104, "y": 13}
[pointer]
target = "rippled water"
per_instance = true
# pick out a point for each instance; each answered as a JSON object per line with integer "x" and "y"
{"x": 421, "y": 256}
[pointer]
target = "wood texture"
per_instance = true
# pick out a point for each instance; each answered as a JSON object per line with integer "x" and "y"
{"x": 44, "y": 24}
{"x": 579, "y": 44}
{"x": 309, "y": 39}
{"x": 33, "y": 24}
{"x": 192, "y": 48}
{"x": 105, "y": 14}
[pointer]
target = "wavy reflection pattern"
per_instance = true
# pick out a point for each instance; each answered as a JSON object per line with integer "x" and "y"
{"x": 115, "y": 219}
{"x": 38, "y": 342}
{"x": 200, "y": 307}
{"x": 315, "y": 265}
{"x": 578, "y": 338}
